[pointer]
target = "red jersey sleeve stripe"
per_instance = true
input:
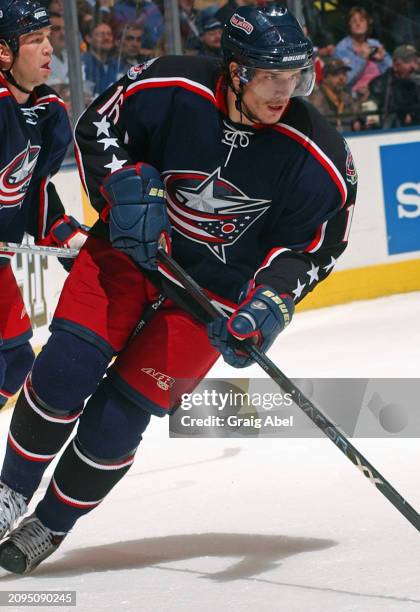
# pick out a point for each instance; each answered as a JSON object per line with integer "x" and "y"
{"x": 51, "y": 98}
{"x": 318, "y": 240}
{"x": 320, "y": 156}
{"x": 269, "y": 258}
{"x": 192, "y": 86}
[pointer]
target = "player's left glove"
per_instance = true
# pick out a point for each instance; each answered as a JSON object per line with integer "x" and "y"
{"x": 66, "y": 233}
{"x": 138, "y": 218}
{"x": 261, "y": 315}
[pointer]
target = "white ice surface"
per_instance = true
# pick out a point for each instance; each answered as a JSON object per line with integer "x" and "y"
{"x": 259, "y": 525}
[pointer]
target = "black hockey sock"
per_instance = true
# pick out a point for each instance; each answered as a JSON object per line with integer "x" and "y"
{"x": 36, "y": 435}
{"x": 79, "y": 484}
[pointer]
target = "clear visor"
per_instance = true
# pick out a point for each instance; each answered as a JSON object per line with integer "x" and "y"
{"x": 278, "y": 85}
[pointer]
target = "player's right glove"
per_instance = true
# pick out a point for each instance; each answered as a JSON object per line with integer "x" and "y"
{"x": 138, "y": 218}
{"x": 260, "y": 317}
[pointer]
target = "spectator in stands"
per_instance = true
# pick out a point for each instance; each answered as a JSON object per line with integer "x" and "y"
{"x": 146, "y": 13}
{"x": 332, "y": 97}
{"x": 189, "y": 18}
{"x": 100, "y": 66}
{"x": 59, "y": 61}
{"x": 99, "y": 10}
{"x": 55, "y": 6}
{"x": 365, "y": 56}
{"x": 395, "y": 92}
{"x": 210, "y": 37}
{"x": 130, "y": 50}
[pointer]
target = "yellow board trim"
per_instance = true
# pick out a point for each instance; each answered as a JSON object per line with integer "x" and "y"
{"x": 90, "y": 215}
{"x": 364, "y": 284}
{"x": 350, "y": 285}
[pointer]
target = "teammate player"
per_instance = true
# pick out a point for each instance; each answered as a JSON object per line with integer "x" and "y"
{"x": 34, "y": 136}
{"x": 259, "y": 195}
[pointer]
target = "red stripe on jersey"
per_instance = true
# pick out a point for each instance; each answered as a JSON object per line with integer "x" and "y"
{"x": 318, "y": 240}
{"x": 190, "y": 232}
{"x": 223, "y": 301}
{"x": 213, "y": 296}
{"x": 195, "y": 88}
{"x": 221, "y": 96}
{"x": 51, "y": 98}
{"x": 319, "y": 155}
{"x": 269, "y": 258}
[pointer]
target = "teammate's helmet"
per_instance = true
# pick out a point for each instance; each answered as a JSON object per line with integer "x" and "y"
{"x": 19, "y": 17}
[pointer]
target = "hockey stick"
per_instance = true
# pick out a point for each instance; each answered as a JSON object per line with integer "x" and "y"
{"x": 148, "y": 314}
{"x": 330, "y": 429}
{"x": 34, "y": 249}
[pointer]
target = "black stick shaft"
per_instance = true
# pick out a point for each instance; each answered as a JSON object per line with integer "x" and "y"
{"x": 329, "y": 428}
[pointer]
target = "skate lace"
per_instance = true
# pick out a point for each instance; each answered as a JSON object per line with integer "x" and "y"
{"x": 12, "y": 507}
{"x": 234, "y": 138}
{"x": 33, "y": 539}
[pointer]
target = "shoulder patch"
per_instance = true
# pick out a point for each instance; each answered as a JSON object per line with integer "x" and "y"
{"x": 351, "y": 172}
{"x": 135, "y": 71}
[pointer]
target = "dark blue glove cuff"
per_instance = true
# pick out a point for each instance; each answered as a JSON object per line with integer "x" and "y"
{"x": 138, "y": 214}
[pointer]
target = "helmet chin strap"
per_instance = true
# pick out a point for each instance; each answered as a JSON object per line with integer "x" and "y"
{"x": 11, "y": 79}
{"x": 9, "y": 76}
{"x": 239, "y": 104}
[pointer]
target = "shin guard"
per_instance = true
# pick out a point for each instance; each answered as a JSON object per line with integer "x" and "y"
{"x": 36, "y": 435}
{"x": 109, "y": 432}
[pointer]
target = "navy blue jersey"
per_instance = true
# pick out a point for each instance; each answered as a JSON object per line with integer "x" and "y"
{"x": 272, "y": 203}
{"x": 34, "y": 138}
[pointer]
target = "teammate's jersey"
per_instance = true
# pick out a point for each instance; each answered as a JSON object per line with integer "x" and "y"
{"x": 33, "y": 141}
{"x": 272, "y": 203}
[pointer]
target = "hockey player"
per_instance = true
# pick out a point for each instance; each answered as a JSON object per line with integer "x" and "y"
{"x": 34, "y": 134}
{"x": 259, "y": 195}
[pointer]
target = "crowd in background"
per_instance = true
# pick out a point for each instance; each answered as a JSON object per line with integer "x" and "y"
{"x": 367, "y": 57}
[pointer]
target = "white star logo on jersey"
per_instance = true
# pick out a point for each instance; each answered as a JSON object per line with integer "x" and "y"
{"x": 299, "y": 289}
{"x": 115, "y": 164}
{"x": 16, "y": 176}
{"x": 209, "y": 210}
{"x": 331, "y": 265}
{"x": 102, "y": 127}
{"x": 109, "y": 142}
{"x": 313, "y": 273}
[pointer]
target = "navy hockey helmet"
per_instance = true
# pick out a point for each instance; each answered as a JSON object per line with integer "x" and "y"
{"x": 19, "y": 17}
{"x": 269, "y": 38}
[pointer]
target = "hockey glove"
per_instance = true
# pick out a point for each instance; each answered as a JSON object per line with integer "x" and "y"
{"x": 138, "y": 219}
{"x": 260, "y": 317}
{"x": 66, "y": 233}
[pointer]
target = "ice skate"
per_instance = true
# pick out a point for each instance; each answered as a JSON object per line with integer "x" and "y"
{"x": 12, "y": 507}
{"x": 27, "y": 545}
